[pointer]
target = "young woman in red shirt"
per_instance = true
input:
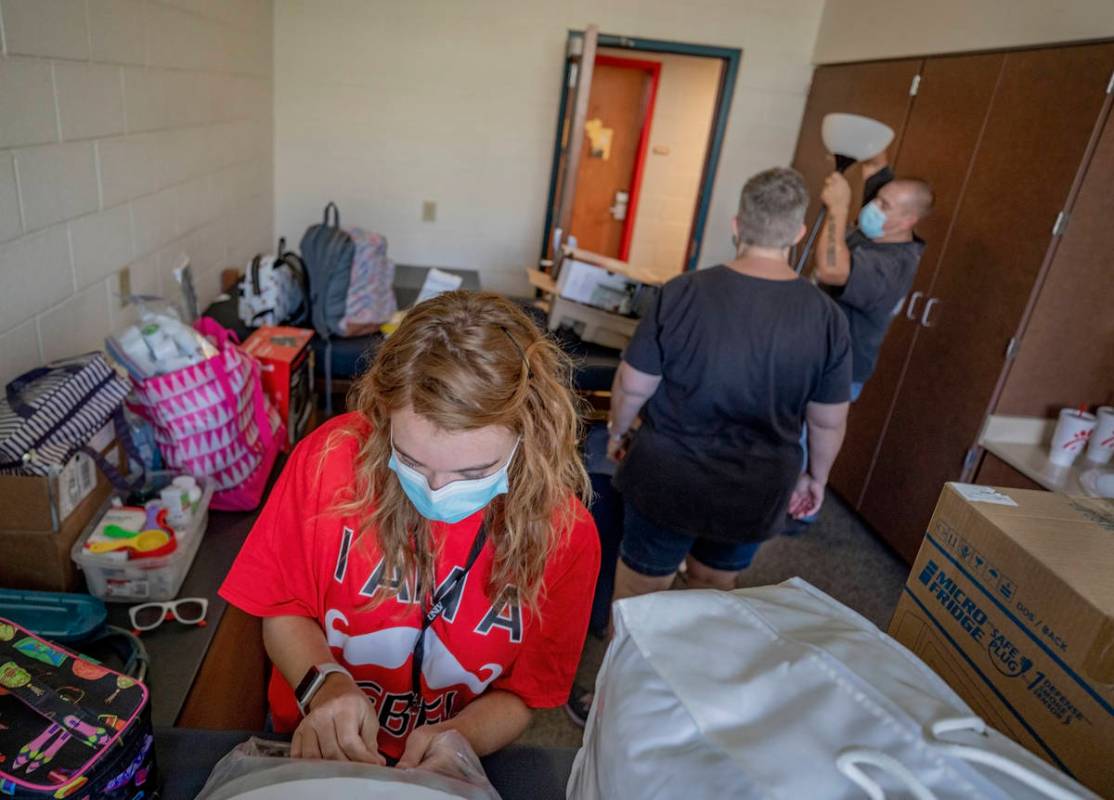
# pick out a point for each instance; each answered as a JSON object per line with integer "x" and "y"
{"x": 425, "y": 562}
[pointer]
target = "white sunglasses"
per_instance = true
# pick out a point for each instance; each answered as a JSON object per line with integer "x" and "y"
{"x": 187, "y": 610}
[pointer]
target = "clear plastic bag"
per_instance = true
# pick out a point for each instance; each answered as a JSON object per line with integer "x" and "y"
{"x": 451, "y": 769}
{"x": 160, "y": 342}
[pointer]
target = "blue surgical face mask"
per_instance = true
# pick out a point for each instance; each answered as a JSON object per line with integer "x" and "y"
{"x": 453, "y": 501}
{"x": 872, "y": 219}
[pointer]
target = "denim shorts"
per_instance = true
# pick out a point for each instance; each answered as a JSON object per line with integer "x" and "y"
{"x": 651, "y": 550}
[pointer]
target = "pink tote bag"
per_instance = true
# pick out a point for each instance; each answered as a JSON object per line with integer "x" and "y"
{"x": 213, "y": 419}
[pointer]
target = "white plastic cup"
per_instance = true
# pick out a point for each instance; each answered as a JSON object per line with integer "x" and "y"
{"x": 176, "y": 503}
{"x": 1101, "y": 449}
{"x": 1070, "y": 437}
{"x": 189, "y": 487}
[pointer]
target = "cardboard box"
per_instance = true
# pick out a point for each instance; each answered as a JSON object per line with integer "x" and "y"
{"x": 41, "y": 559}
{"x": 35, "y": 555}
{"x": 591, "y": 324}
{"x": 1011, "y": 601}
{"x": 594, "y": 286}
{"x": 287, "y": 372}
{"x": 33, "y": 503}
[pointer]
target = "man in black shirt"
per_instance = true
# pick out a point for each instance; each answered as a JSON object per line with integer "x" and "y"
{"x": 725, "y": 369}
{"x": 870, "y": 270}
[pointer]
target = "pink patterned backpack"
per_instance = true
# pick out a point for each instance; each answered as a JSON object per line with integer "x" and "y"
{"x": 213, "y": 419}
{"x": 371, "y": 295}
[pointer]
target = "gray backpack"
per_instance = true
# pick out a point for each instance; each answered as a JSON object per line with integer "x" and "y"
{"x": 327, "y": 252}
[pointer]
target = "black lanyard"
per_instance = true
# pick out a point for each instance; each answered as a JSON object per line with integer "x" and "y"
{"x": 438, "y": 608}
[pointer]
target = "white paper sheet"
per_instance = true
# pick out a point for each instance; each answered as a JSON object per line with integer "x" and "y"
{"x": 437, "y": 282}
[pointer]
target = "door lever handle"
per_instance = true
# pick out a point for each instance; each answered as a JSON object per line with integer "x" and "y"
{"x": 910, "y": 310}
{"x": 619, "y": 208}
{"x": 931, "y": 304}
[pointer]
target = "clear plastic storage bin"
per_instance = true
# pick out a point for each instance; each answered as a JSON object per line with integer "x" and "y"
{"x": 141, "y": 579}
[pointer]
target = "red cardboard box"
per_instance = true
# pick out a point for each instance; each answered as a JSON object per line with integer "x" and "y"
{"x": 287, "y": 369}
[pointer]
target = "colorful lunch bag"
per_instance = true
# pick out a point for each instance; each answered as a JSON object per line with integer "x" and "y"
{"x": 70, "y": 727}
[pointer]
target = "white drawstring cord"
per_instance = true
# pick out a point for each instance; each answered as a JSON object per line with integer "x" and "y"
{"x": 993, "y": 760}
{"x": 941, "y": 726}
{"x": 848, "y": 762}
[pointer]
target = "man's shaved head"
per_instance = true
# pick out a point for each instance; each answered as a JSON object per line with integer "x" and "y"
{"x": 914, "y": 195}
{"x": 905, "y": 202}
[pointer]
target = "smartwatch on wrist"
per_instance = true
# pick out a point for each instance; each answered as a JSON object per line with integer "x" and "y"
{"x": 312, "y": 682}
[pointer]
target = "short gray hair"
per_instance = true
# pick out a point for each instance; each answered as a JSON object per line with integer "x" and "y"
{"x": 772, "y": 208}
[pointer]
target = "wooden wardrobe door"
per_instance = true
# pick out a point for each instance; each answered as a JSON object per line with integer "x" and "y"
{"x": 877, "y": 89}
{"x": 938, "y": 144}
{"x": 1041, "y": 118}
{"x": 1067, "y": 349}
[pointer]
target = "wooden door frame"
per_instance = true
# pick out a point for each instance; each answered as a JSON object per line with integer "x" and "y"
{"x": 731, "y": 57}
{"x": 654, "y": 70}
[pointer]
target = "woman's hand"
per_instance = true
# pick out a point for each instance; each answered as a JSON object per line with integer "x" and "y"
{"x": 617, "y": 448}
{"x": 490, "y": 722}
{"x": 807, "y": 497}
{"x": 446, "y": 752}
{"x": 417, "y": 744}
{"x": 341, "y": 725}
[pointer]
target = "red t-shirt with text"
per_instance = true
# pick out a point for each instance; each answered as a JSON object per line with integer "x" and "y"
{"x": 303, "y": 559}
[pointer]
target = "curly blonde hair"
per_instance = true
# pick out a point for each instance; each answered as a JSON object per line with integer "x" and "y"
{"x": 467, "y": 360}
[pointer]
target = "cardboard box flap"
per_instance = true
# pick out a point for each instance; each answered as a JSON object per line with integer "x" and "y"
{"x": 1036, "y": 504}
{"x": 1072, "y": 538}
{"x": 281, "y": 343}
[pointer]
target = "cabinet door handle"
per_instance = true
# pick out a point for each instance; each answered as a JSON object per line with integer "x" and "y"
{"x": 931, "y": 304}
{"x": 910, "y": 310}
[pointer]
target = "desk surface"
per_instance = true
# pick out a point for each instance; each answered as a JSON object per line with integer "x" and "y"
{"x": 176, "y": 651}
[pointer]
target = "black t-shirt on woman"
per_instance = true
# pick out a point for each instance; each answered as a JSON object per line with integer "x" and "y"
{"x": 740, "y": 358}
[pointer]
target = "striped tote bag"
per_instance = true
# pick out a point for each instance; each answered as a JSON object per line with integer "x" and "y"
{"x": 50, "y": 413}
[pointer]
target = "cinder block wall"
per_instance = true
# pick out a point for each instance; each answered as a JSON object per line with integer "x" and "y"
{"x": 132, "y": 132}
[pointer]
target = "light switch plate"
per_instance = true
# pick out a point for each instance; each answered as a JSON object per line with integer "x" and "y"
{"x": 429, "y": 211}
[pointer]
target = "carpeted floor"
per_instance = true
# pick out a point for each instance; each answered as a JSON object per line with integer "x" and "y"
{"x": 838, "y": 555}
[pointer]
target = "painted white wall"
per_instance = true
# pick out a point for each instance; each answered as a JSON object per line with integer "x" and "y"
{"x": 858, "y": 30}
{"x": 380, "y": 106}
{"x": 131, "y": 133}
{"x": 679, "y": 135}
